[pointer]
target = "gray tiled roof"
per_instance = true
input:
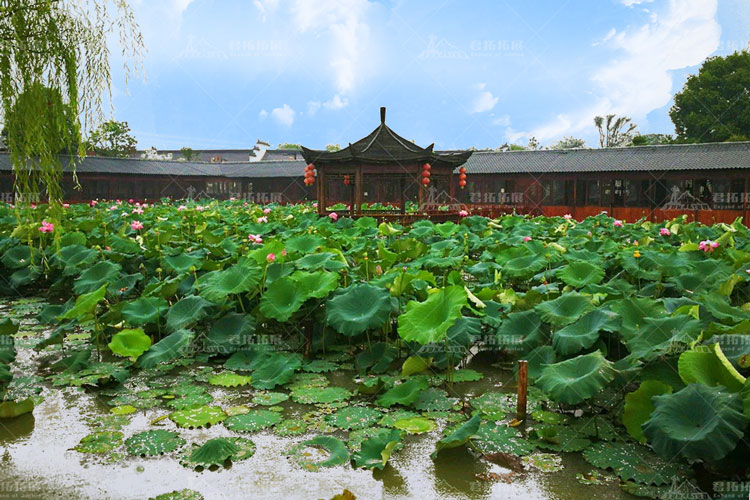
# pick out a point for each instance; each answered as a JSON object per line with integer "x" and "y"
{"x": 633, "y": 159}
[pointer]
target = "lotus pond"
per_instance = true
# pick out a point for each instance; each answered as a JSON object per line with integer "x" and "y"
{"x": 228, "y": 350}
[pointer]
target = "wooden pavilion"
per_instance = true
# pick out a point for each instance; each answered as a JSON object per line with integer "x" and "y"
{"x": 387, "y": 176}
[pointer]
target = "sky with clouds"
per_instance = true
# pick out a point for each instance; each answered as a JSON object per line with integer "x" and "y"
{"x": 223, "y": 73}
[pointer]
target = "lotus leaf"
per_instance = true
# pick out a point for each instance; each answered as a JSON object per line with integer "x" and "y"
{"x": 100, "y": 442}
{"x": 144, "y": 310}
{"x": 171, "y": 347}
{"x": 375, "y": 452}
{"x": 318, "y": 395}
{"x": 403, "y": 394}
{"x": 565, "y": 309}
{"x": 130, "y": 343}
{"x": 459, "y": 436}
{"x": 156, "y": 442}
{"x": 708, "y": 366}
{"x": 638, "y": 406}
{"x": 576, "y": 379}
{"x": 358, "y": 308}
{"x": 187, "y": 311}
{"x": 582, "y": 334}
{"x": 215, "y": 452}
{"x": 277, "y": 369}
{"x": 231, "y": 281}
{"x": 93, "y": 278}
{"x": 354, "y": 417}
{"x": 415, "y": 425}
{"x": 336, "y": 453}
{"x": 252, "y": 421}
{"x": 428, "y": 322}
{"x": 269, "y": 398}
{"x": 198, "y": 417}
{"x": 631, "y": 461}
{"x": 229, "y": 379}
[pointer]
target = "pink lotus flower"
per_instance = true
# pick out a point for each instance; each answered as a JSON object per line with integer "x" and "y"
{"x": 664, "y": 231}
{"x": 66, "y": 205}
{"x": 93, "y": 203}
{"x": 255, "y": 238}
{"x": 262, "y": 219}
{"x": 617, "y": 223}
{"x": 708, "y": 245}
{"x": 46, "y": 227}
{"x": 270, "y": 257}
{"x": 113, "y": 207}
{"x": 266, "y": 211}
{"x": 378, "y": 269}
{"x": 567, "y": 216}
{"x": 130, "y": 200}
{"x": 526, "y": 238}
{"x": 200, "y": 208}
{"x": 181, "y": 208}
{"x": 463, "y": 213}
{"x": 138, "y": 210}
{"x": 232, "y": 198}
{"x": 283, "y": 252}
{"x": 333, "y": 216}
{"x": 136, "y": 225}
{"x": 315, "y": 205}
{"x": 33, "y": 206}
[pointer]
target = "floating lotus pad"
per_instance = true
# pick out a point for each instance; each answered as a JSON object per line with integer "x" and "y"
{"x": 415, "y": 425}
{"x": 252, "y": 421}
{"x": 216, "y": 452}
{"x": 198, "y": 417}
{"x": 155, "y": 442}
{"x": 375, "y": 451}
{"x": 229, "y": 379}
{"x": 291, "y": 427}
{"x": 354, "y": 417}
{"x": 269, "y": 398}
{"x": 332, "y": 452}
{"x": 631, "y": 461}
{"x": 318, "y": 395}
{"x": 100, "y": 442}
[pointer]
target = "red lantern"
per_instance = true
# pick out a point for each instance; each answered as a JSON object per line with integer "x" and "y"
{"x": 462, "y": 184}
{"x": 347, "y": 181}
{"x": 425, "y": 180}
{"x": 426, "y": 166}
{"x": 426, "y": 173}
{"x": 462, "y": 177}
{"x": 462, "y": 170}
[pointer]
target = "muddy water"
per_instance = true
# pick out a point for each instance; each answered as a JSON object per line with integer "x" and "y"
{"x": 37, "y": 460}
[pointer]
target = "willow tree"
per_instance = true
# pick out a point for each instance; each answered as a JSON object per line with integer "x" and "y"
{"x": 54, "y": 80}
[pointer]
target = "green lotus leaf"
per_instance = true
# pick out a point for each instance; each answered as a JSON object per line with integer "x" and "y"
{"x": 403, "y": 394}
{"x": 560, "y": 438}
{"x": 100, "y": 442}
{"x": 130, "y": 343}
{"x": 319, "y": 395}
{"x": 415, "y": 425}
{"x": 144, "y": 310}
{"x": 291, "y": 427}
{"x": 565, "y": 309}
{"x": 697, "y": 422}
{"x": 543, "y": 462}
{"x": 269, "y": 398}
{"x": 18, "y": 257}
{"x": 85, "y": 305}
{"x": 336, "y": 453}
{"x": 304, "y": 244}
{"x": 583, "y": 333}
{"x": 659, "y": 336}
{"x": 276, "y": 369}
{"x": 358, "y": 308}
{"x": 520, "y": 330}
{"x": 577, "y": 379}
{"x": 433, "y": 399}
{"x": 633, "y": 461}
{"x": 198, "y": 417}
{"x": 354, "y": 417}
{"x": 494, "y": 437}
{"x": 246, "y": 359}
{"x": 93, "y": 278}
{"x": 182, "y": 262}
{"x": 428, "y": 322}
{"x": 415, "y": 364}
{"x": 319, "y": 366}
{"x": 231, "y": 281}
{"x": 318, "y": 284}
{"x": 494, "y": 405}
{"x": 375, "y": 452}
{"x": 708, "y": 366}
{"x": 252, "y": 421}
{"x": 324, "y": 260}
{"x": 171, "y": 347}
{"x": 464, "y": 375}
{"x": 229, "y": 379}
{"x": 638, "y": 406}
{"x": 633, "y": 312}
{"x": 308, "y": 380}
{"x": 12, "y": 409}
{"x": 230, "y": 333}
{"x": 524, "y": 267}
{"x": 214, "y": 452}
{"x": 156, "y": 442}
{"x": 722, "y": 310}
{"x": 579, "y": 274}
{"x": 187, "y": 311}
{"x": 184, "y": 494}
{"x": 193, "y": 400}
{"x": 377, "y": 358}
{"x": 283, "y": 298}
{"x": 123, "y": 410}
{"x": 459, "y": 436}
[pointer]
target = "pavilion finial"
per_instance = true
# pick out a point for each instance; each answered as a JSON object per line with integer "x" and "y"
{"x": 382, "y": 114}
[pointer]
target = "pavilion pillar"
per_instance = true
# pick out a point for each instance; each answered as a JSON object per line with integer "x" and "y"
{"x": 358, "y": 184}
{"x": 320, "y": 190}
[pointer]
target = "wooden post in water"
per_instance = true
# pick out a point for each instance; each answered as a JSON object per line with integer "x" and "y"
{"x": 523, "y": 382}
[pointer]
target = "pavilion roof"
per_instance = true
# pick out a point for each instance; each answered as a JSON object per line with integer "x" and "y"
{"x": 384, "y": 147}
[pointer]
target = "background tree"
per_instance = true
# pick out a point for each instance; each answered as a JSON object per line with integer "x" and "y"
{"x": 112, "y": 138}
{"x": 291, "y": 146}
{"x": 569, "y": 143}
{"x": 189, "y": 154}
{"x": 333, "y": 147}
{"x": 54, "y": 69}
{"x": 714, "y": 105}
{"x": 652, "y": 139}
{"x": 615, "y": 131}
{"x": 533, "y": 144}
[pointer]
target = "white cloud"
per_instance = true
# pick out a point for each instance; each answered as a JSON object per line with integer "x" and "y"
{"x": 265, "y": 7}
{"x": 640, "y": 79}
{"x": 484, "y": 101}
{"x": 630, "y": 3}
{"x": 283, "y": 115}
{"x": 344, "y": 21}
{"x": 335, "y": 103}
{"x": 263, "y": 114}
{"x": 501, "y": 121}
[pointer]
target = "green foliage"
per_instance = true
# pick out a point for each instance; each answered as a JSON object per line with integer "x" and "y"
{"x": 429, "y": 321}
{"x": 130, "y": 343}
{"x": 112, "y": 138}
{"x": 712, "y": 105}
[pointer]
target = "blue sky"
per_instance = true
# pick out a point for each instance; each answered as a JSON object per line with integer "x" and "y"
{"x": 222, "y": 73}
